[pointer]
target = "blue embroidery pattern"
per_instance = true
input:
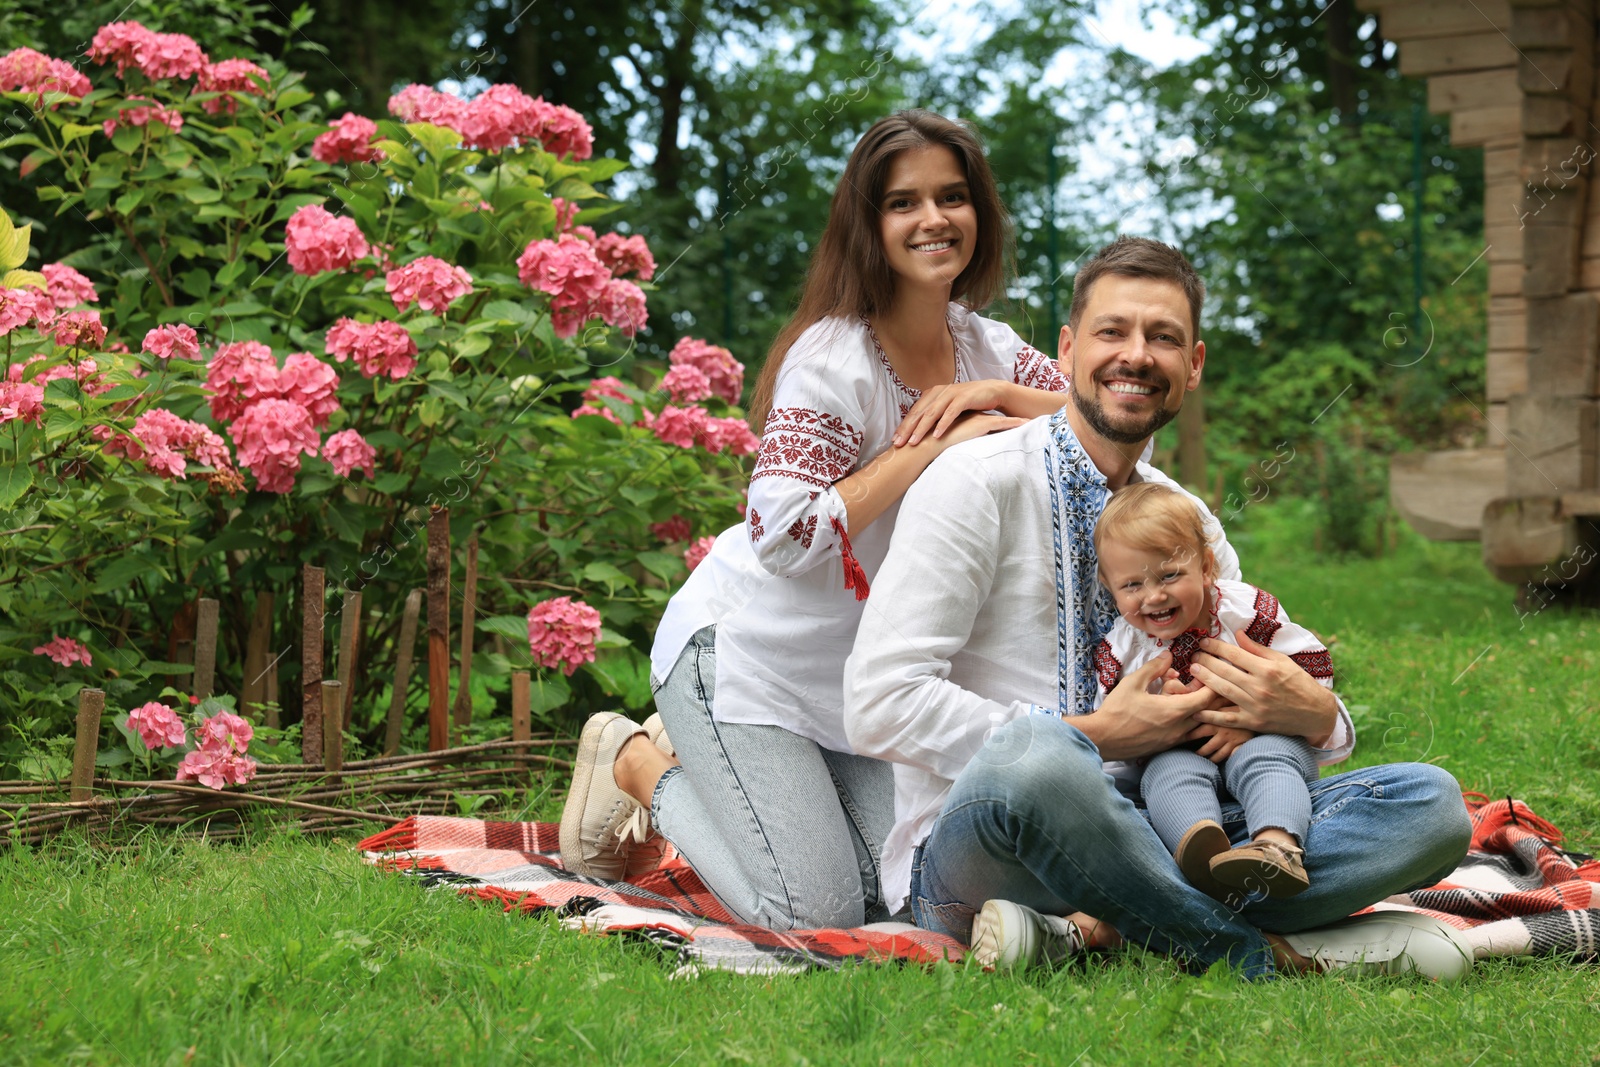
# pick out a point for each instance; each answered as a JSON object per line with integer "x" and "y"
{"x": 1078, "y": 494}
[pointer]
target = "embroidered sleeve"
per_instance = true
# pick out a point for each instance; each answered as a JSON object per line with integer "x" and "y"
{"x": 1035, "y": 370}
{"x": 813, "y": 438}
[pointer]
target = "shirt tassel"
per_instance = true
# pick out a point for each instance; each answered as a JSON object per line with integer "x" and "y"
{"x": 854, "y": 577}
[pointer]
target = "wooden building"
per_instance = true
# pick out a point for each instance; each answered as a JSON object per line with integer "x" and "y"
{"x": 1517, "y": 77}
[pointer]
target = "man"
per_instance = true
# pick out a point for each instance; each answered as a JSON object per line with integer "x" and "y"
{"x": 972, "y": 672}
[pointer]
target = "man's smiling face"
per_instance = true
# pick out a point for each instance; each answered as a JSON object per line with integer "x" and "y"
{"x": 1133, "y": 355}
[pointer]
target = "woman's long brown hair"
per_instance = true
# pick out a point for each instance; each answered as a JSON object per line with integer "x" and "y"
{"x": 850, "y": 274}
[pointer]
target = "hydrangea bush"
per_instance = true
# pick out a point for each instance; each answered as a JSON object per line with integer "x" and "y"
{"x": 298, "y": 332}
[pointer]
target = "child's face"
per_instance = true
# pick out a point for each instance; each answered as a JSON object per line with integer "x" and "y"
{"x": 1162, "y": 593}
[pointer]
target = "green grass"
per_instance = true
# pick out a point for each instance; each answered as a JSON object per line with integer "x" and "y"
{"x": 288, "y": 951}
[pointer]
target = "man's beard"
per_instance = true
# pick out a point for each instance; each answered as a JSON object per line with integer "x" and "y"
{"x": 1094, "y": 414}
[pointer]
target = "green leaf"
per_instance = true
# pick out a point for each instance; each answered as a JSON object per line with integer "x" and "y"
{"x": 202, "y": 194}
{"x": 14, "y": 481}
{"x": 507, "y": 310}
{"x": 291, "y": 98}
{"x": 72, "y": 131}
{"x": 546, "y": 693}
{"x": 475, "y": 344}
{"x": 127, "y": 138}
{"x": 450, "y": 393}
{"x": 230, "y": 272}
{"x": 664, "y": 565}
{"x": 622, "y": 672}
{"x": 601, "y": 571}
{"x": 437, "y": 141}
{"x": 26, "y": 138}
{"x": 510, "y": 627}
{"x": 128, "y": 201}
{"x": 598, "y": 170}
{"x": 13, "y": 243}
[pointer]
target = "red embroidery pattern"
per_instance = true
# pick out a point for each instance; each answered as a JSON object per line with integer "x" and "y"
{"x": 1265, "y": 626}
{"x": 810, "y": 446}
{"x": 1318, "y": 664}
{"x": 854, "y": 577}
{"x": 1035, "y": 370}
{"x": 1107, "y": 666}
{"x": 756, "y": 531}
{"x": 804, "y": 531}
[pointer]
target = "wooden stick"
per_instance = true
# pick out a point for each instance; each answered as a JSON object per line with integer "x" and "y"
{"x": 256, "y": 645}
{"x": 332, "y": 728}
{"x": 439, "y": 629}
{"x": 91, "y": 702}
{"x": 257, "y": 798}
{"x": 521, "y": 720}
{"x": 402, "y": 672}
{"x": 311, "y": 664}
{"x": 469, "y": 604}
{"x": 205, "y": 648}
{"x": 349, "y": 626}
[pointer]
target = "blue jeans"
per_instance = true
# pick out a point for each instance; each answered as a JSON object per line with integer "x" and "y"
{"x": 1033, "y": 819}
{"x": 1269, "y": 775}
{"x": 785, "y": 833}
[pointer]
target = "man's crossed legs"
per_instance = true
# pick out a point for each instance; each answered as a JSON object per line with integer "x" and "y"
{"x": 1033, "y": 819}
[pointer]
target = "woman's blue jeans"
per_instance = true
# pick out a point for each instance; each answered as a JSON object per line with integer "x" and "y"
{"x": 1033, "y": 819}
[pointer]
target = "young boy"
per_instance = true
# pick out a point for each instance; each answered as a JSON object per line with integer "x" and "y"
{"x": 1155, "y": 561}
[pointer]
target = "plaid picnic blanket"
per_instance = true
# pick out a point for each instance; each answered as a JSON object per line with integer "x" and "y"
{"x": 1516, "y": 894}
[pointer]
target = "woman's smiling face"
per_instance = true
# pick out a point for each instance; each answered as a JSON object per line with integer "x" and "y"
{"x": 928, "y": 223}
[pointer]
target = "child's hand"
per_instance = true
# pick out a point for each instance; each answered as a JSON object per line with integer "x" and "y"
{"x": 1220, "y": 741}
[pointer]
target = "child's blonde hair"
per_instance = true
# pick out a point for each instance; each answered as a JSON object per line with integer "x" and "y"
{"x": 1155, "y": 518}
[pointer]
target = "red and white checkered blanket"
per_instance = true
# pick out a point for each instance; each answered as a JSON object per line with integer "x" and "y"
{"x": 1516, "y": 894}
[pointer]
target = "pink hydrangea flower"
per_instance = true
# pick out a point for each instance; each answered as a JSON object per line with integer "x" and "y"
{"x": 85, "y": 372}
{"x": 695, "y": 553}
{"x": 378, "y": 348}
{"x": 602, "y": 387}
{"x": 176, "y": 341}
{"x": 716, "y": 362}
{"x": 215, "y": 767}
{"x": 18, "y": 307}
{"x": 143, "y": 116}
{"x": 686, "y": 384}
{"x": 22, "y": 70}
{"x": 348, "y": 451}
{"x": 21, "y": 402}
{"x": 566, "y": 267}
{"x": 65, "y": 651}
{"x": 225, "y": 730}
{"x": 169, "y": 55}
{"x": 429, "y": 282}
{"x": 271, "y": 436}
{"x": 562, "y": 633}
{"x": 318, "y": 241}
{"x": 680, "y": 426}
{"x": 562, "y": 130}
{"x": 674, "y": 529}
{"x": 157, "y": 725}
{"x": 79, "y": 329}
{"x": 309, "y": 383}
{"x": 120, "y": 41}
{"x": 731, "y": 433}
{"x": 622, "y": 305}
{"x": 626, "y": 255}
{"x": 67, "y": 287}
{"x": 238, "y": 375}
{"x": 164, "y": 442}
{"x": 348, "y": 140}
{"x": 498, "y": 117}
{"x": 230, "y": 76}
{"x": 422, "y": 103}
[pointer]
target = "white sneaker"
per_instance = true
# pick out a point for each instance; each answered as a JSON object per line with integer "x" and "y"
{"x": 656, "y": 730}
{"x": 1387, "y": 942}
{"x": 1007, "y": 935}
{"x": 600, "y": 823}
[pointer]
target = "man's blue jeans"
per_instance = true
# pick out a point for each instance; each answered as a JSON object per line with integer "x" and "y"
{"x": 1033, "y": 819}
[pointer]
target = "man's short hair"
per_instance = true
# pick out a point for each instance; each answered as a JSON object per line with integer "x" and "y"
{"x": 1139, "y": 257}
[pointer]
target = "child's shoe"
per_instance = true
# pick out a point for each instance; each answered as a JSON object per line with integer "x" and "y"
{"x": 1201, "y": 843}
{"x": 1263, "y": 866}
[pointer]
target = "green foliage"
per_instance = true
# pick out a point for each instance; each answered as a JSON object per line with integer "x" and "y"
{"x": 188, "y": 227}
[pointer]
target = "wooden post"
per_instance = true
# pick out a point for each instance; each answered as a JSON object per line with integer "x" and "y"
{"x": 311, "y": 664}
{"x": 521, "y": 726}
{"x": 332, "y": 732}
{"x": 469, "y": 611}
{"x": 402, "y": 672}
{"x": 257, "y": 644}
{"x": 91, "y": 702}
{"x": 349, "y": 642}
{"x": 205, "y": 648}
{"x": 438, "y": 629}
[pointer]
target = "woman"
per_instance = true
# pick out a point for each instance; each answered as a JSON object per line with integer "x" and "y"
{"x": 878, "y": 372}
